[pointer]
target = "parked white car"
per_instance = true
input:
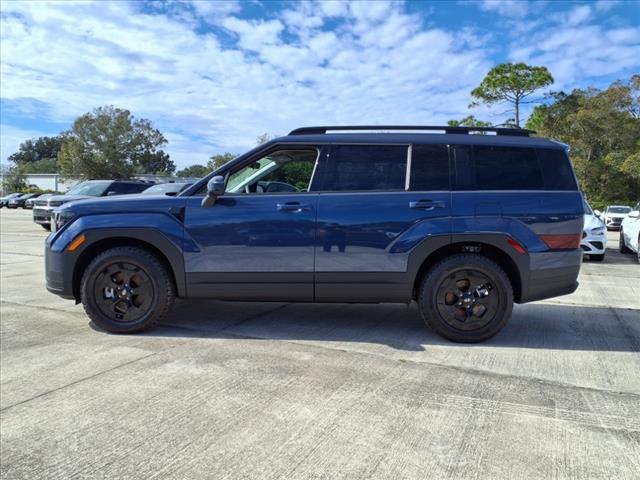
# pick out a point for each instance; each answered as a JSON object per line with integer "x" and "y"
{"x": 594, "y": 235}
{"x": 614, "y": 214}
{"x": 630, "y": 232}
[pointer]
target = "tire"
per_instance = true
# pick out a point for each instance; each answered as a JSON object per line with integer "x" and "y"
{"x": 596, "y": 258}
{"x": 623, "y": 246}
{"x": 46, "y": 226}
{"x": 455, "y": 273}
{"x": 127, "y": 290}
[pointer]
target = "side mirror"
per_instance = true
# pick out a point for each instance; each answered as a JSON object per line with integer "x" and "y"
{"x": 215, "y": 188}
{"x": 597, "y": 212}
{"x": 634, "y": 214}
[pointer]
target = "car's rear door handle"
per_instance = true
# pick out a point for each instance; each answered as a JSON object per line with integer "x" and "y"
{"x": 293, "y": 207}
{"x": 426, "y": 204}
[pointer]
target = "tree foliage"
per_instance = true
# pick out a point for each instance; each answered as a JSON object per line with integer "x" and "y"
{"x": 38, "y": 155}
{"x": 469, "y": 121}
{"x": 196, "y": 171}
{"x": 110, "y": 143}
{"x": 511, "y": 83}
{"x": 216, "y": 161}
{"x": 602, "y": 128}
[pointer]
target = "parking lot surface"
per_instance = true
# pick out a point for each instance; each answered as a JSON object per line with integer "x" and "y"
{"x": 272, "y": 390}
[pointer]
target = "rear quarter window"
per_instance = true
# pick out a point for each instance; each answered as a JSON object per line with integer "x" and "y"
{"x": 487, "y": 167}
{"x": 429, "y": 167}
{"x": 556, "y": 169}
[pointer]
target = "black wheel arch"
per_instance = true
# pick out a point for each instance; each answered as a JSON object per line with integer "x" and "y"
{"x": 99, "y": 240}
{"x": 493, "y": 246}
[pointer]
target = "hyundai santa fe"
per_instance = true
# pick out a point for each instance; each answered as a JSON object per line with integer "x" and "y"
{"x": 463, "y": 224}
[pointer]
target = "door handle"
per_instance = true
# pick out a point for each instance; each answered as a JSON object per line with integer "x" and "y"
{"x": 293, "y": 207}
{"x": 426, "y": 204}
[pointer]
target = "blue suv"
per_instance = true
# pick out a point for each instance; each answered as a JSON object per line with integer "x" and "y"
{"x": 464, "y": 221}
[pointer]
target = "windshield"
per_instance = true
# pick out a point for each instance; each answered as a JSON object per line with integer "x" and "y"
{"x": 164, "y": 188}
{"x": 619, "y": 209}
{"x": 91, "y": 189}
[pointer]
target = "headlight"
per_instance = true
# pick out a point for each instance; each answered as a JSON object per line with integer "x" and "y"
{"x": 60, "y": 218}
{"x": 597, "y": 230}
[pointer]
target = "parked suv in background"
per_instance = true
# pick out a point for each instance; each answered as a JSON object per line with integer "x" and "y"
{"x": 614, "y": 214}
{"x": 4, "y": 201}
{"x": 630, "y": 232}
{"x": 92, "y": 188}
{"x": 463, "y": 224}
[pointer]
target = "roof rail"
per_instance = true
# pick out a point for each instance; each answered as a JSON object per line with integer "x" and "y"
{"x": 513, "y": 132}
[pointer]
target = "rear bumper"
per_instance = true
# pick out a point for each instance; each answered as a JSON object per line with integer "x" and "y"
{"x": 552, "y": 274}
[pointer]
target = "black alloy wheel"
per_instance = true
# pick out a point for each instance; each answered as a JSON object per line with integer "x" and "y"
{"x": 127, "y": 289}
{"x": 466, "y": 298}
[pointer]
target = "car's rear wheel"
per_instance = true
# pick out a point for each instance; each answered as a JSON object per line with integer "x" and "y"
{"x": 126, "y": 290}
{"x": 596, "y": 258}
{"x": 623, "y": 246}
{"x": 466, "y": 298}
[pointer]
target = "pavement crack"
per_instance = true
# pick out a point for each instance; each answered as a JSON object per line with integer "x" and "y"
{"x": 53, "y": 390}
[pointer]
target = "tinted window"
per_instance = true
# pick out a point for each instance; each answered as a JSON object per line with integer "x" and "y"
{"x": 465, "y": 178}
{"x": 556, "y": 169}
{"x": 365, "y": 167}
{"x": 507, "y": 168}
{"x": 429, "y": 167}
{"x": 126, "y": 188}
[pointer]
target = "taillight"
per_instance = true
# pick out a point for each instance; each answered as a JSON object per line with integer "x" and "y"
{"x": 562, "y": 241}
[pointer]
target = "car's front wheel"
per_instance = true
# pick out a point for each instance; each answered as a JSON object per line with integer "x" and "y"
{"x": 466, "y": 298}
{"x": 623, "y": 246}
{"x": 126, "y": 290}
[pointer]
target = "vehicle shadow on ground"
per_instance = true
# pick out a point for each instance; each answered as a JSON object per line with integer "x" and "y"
{"x": 537, "y": 325}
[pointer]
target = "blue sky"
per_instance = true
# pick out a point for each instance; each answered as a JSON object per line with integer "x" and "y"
{"x": 214, "y": 75}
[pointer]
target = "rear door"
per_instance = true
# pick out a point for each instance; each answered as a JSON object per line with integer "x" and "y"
{"x": 377, "y": 203}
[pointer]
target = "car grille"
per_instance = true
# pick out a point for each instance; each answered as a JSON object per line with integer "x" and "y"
{"x": 41, "y": 203}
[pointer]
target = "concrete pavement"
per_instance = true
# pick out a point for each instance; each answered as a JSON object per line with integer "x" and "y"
{"x": 269, "y": 391}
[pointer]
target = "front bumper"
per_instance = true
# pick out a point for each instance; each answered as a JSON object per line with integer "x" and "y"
{"x": 42, "y": 215}
{"x": 613, "y": 222}
{"x": 594, "y": 244}
{"x": 59, "y": 271}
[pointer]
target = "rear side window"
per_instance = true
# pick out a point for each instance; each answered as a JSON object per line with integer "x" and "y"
{"x": 507, "y": 168}
{"x": 365, "y": 168}
{"x": 429, "y": 167}
{"x": 556, "y": 169}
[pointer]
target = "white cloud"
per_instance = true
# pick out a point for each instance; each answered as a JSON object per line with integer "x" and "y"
{"x": 506, "y": 8}
{"x": 215, "y": 89}
{"x": 579, "y": 15}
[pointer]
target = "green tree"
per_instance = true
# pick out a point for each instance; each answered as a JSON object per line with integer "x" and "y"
{"x": 469, "y": 121}
{"x": 196, "y": 170}
{"x": 264, "y": 138}
{"x": 602, "y": 128}
{"x": 216, "y": 161}
{"x": 511, "y": 83}
{"x": 13, "y": 180}
{"x": 154, "y": 162}
{"x": 110, "y": 143}
{"x": 38, "y": 155}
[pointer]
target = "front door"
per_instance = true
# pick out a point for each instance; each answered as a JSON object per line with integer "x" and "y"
{"x": 257, "y": 241}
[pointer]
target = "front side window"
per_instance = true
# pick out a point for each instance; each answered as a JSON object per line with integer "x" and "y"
{"x": 282, "y": 171}
{"x": 365, "y": 168}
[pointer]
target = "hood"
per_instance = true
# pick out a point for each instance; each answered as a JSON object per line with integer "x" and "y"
{"x": 123, "y": 204}
{"x": 591, "y": 221}
{"x": 60, "y": 199}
